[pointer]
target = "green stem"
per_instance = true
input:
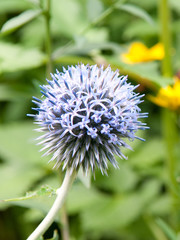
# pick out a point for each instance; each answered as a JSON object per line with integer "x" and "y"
{"x": 168, "y": 118}
{"x": 59, "y": 201}
{"x": 165, "y": 37}
{"x": 48, "y": 38}
{"x": 63, "y": 216}
{"x": 171, "y": 138}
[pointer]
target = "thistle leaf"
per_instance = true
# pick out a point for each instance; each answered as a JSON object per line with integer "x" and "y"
{"x": 14, "y": 23}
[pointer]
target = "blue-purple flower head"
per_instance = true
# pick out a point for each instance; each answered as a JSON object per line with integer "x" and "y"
{"x": 86, "y": 113}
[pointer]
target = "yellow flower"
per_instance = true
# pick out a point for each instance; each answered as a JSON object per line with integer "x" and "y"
{"x": 168, "y": 97}
{"x": 139, "y": 53}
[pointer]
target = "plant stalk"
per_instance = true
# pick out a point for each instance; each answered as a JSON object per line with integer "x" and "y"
{"x": 165, "y": 37}
{"x": 169, "y": 129}
{"x": 61, "y": 196}
{"x": 64, "y": 217}
{"x": 169, "y": 126}
{"x": 171, "y": 138}
{"x": 48, "y": 38}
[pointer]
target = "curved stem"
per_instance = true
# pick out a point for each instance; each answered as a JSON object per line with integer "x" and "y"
{"x": 64, "y": 217}
{"x": 61, "y": 195}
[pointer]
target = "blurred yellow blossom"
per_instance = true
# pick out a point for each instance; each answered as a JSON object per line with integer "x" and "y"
{"x": 168, "y": 97}
{"x": 138, "y": 53}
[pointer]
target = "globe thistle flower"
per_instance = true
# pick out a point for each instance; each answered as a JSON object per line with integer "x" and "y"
{"x": 86, "y": 113}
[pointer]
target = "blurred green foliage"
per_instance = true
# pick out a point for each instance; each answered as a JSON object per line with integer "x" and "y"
{"x": 136, "y": 202}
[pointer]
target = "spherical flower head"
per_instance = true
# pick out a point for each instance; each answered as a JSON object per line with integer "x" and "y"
{"x": 86, "y": 113}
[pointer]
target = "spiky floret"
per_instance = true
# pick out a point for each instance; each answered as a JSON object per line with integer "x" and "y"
{"x": 85, "y": 113}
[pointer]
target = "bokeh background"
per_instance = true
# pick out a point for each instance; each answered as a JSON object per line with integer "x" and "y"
{"x": 139, "y": 201}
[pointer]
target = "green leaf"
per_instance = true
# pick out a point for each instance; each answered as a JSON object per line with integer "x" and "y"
{"x": 15, "y": 92}
{"x": 119, "y": 210}
{"x": 140, "y": 29}
{"x": 85, "y": 48}
{"x": 118, "y": 180}
{"x": 36, "y": 26}
{"x": 70, "y": 26}
{"x": 175, "y": 5}
{"x": 14, "y": 57}
{"x": 97, "y": 7}
{"x": 16, "y": 179}
{"x": 14, "y": 6}
{"x": 161, "y": 206}
{"x": 97, "y": 35}
{"x": 14, "y": 23}
{"x": 41, "y": 199}
{"x": 22, "y": 164}
{"x": 144, "y": 73}
{"x": 149, "y": 192}
{"x": 18, "y": 145}
{"x": 67, "y": 60}
{"x": 153, "y": 152}
{"x": 43, "y": 191}
{"x": 80, "y": 198}
{"x": 139, "y": 12}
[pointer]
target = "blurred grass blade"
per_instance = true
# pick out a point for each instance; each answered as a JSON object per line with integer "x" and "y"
{"x": 157, "y": 232}
{"x": 139, "y": 12}
{"x": 166, "y": 229}
{"x": 14, "y": 23}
